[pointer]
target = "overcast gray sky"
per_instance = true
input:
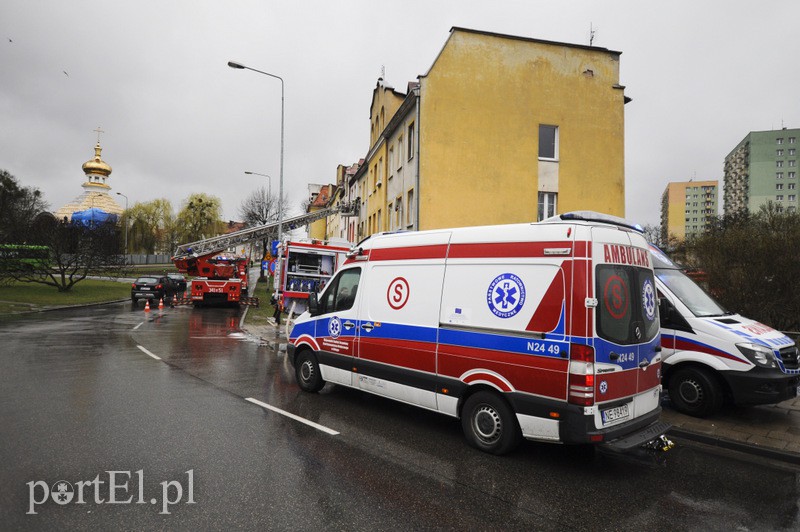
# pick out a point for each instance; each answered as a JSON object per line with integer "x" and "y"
{"x": 153, "y": 75}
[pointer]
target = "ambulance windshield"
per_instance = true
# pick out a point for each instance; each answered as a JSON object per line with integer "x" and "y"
{"x": 627, "y": 312}
{"x": 695, "y": 298}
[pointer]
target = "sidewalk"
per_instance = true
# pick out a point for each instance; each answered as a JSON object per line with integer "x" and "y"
{"x": 771, "y": 431}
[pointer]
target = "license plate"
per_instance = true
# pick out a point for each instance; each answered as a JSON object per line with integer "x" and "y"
{"x": 144, "y": 288}
{"x": 215, "y": 290}
{"x": 614, "y": 414}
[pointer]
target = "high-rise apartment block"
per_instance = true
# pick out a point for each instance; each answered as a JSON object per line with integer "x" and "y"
{"x": 687, "y": 208}
{"x": 762, "y": 168}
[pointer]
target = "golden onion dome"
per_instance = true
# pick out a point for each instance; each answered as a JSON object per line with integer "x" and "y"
{"x": 97, "y": 165}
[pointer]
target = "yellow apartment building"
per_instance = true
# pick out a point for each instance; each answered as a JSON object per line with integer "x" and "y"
{"x": 500, "y": 129}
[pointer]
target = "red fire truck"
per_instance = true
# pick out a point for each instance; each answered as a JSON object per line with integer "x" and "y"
{"x": 220, "y": 277}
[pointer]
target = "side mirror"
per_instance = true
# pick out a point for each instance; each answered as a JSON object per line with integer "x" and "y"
{"x": 313, "y": 305}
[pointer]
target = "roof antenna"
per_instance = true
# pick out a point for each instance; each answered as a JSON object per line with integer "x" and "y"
{"x": 592, "y": 31}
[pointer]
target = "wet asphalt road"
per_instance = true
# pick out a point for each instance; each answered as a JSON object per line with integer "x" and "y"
{"x": 81, "y": 394}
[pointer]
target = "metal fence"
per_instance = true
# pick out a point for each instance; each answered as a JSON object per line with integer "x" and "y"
{"x": 147, "y": 259}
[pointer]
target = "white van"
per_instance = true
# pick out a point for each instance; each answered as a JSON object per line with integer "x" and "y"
{"x": 547, "y": 331}
{"x": 711, "y": 354}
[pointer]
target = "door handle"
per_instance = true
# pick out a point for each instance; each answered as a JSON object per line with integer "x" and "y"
{"x": 368, "y": 327}
{"x": 613, "y": 356}
{"x": 644, "y": 363}
{"x": 348, "y": 325}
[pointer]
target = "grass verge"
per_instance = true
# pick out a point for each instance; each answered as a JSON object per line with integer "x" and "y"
{"x": 25, "y": 297}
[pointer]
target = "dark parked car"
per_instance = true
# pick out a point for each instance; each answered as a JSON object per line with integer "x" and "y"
{"x": 152, "y": 287}
{"x": 178, "y": 282}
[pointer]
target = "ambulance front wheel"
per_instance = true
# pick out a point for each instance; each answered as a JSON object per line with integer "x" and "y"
{"x": 489, "y": 423}
{"x": 695, "y": 391}
{"x": 306, "y": 371}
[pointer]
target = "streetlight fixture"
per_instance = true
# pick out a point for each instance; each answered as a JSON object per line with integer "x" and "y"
{"x": 126, "y": 220}
{"x": 280, "y": 188}
{"x": 269, "y": 180}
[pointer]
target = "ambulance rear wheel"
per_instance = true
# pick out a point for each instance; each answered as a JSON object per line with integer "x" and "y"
{"x": 489, "y": 423}
{"x": 695, "y": 391}
{"x": 306, "y": 371}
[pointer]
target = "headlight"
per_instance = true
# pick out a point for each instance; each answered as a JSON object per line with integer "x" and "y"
{"x": 758, "y": 355}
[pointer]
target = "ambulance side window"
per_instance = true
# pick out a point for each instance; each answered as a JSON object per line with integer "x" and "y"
{"x": 341, "y": 292}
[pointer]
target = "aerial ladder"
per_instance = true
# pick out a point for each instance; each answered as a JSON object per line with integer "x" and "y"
{"x": 222, "y": 278}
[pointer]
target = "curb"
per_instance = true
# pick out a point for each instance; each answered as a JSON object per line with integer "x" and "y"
{"x": 747, "y": 448}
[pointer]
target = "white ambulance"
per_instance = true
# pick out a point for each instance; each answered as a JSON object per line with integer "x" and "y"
{"x": 711, "y": 354}
{"x": 547, "y": 331}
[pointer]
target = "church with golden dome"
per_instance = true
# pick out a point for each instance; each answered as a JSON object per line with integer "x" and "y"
{"x": 95, "y": 189}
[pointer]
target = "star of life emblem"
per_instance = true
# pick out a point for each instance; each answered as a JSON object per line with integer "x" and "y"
{"x": 649, "y": 300}
{"x": 335, "y": 327}
{"x": 506, "y": 295}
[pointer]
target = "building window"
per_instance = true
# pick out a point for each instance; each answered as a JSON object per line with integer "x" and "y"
{"x": 779, "y": 153}
{"x": 410, "y": 141}
{"x": 398, "y": 212}
{"x": 792, "y": 163}
{"x": 547, "y": 205}
{"x": 779, "y": 197}
{"x": 779, "y": 164}
{"x": 792, "y": 151}
{"x": 792, "y": 140}
{"x": 791, "y": 186}
{"x": 548, "y": 142}
{"x": 779, "y": 175}
{"x": 792, "y": 175}
{"x": 779, "y": 140}
{"x": 410, "y": 208}
{"x": 391, "y": 162}
{"x": 779, "y": 186}
{"x": 792, "y": 197}
{"x": 399, "y": 152}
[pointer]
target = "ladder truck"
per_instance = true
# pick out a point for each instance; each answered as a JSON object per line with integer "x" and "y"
{"x": 222, "y": 278}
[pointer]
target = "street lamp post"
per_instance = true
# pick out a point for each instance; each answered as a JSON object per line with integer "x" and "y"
{"x": 269, "y": 180}
{"x": 126, "y": 220}
{"x": 280, "y": 188}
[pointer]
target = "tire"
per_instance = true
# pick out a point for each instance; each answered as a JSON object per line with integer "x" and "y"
{"x": 489, "y": 423}
{"x": 307, "y": 373}
{"x": 695, "y": 392}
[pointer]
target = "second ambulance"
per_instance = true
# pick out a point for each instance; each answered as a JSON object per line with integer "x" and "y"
{"x": 711, "y": 355}
{"x": 546, "y": 331}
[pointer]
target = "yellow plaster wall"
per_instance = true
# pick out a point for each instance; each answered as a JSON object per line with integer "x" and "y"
{"x": 481, "y": 106}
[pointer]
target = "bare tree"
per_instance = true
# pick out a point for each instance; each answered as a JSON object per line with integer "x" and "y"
{"x": 260, "y": 208}
{"x": 75, "y": 252}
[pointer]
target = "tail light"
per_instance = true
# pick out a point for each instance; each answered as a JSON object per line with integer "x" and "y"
{"x": 133, "y": 285}
{"x": 159, "y": 287}
{"x": 581, "y": 375}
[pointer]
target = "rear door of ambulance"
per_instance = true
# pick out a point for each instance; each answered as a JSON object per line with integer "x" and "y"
{"x": 627, "y": 363}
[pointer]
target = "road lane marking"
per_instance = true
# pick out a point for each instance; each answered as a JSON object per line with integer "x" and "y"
{"x": 142, "y": 323}
{"x": 148, "y": 353}
{"x": 290, "y": 415}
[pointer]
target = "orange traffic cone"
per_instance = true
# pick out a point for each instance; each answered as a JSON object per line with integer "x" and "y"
{"x": 160, "y": 303}
{"x": 147, "y": 306}
{"x": 174, "y": 299}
